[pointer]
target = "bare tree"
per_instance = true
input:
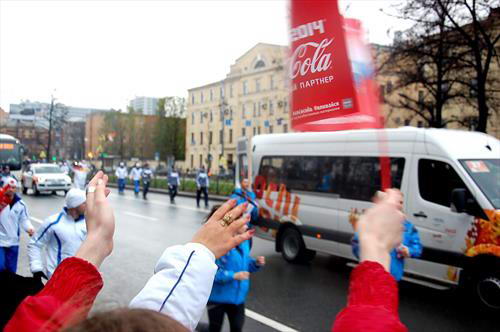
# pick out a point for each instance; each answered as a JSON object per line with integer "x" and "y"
{"x": 477, "y": 22}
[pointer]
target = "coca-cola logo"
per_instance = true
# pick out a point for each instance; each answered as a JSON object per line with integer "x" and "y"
{"x": 310, "y": 57}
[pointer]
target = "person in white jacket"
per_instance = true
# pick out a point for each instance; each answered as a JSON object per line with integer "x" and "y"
{"x": 135, "y": 175}
{"x": 13, "y": 217}
{"x": 59, "y": 237}
{"x": 121, "y": 173}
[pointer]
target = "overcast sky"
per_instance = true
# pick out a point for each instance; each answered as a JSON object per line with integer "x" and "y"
{"x": 103, "y": 53}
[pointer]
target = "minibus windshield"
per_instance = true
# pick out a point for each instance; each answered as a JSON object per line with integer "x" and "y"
{"x": 486, "y": 174}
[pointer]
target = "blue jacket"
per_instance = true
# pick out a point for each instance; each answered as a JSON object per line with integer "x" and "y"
{"x": 243, "y": 196}
{"x": 226, "y": 289}
{"x": 410, "y": 240}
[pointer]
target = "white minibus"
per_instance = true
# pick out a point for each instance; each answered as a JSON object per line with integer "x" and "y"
{"x": 312, "y": 188}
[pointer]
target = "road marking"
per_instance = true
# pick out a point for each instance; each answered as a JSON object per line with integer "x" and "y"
{"x": 139, "y": 216}
{"x": 38, "y": 221}
{"x": 268, "y": 321}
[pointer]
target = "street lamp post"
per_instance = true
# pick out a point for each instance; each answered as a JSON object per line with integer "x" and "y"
{"x": 50, "y": 127}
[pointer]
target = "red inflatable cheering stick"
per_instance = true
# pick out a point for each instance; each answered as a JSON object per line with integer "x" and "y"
{"x": 4, "y": 199}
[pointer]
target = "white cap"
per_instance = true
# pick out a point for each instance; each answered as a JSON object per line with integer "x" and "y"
{"x": 11, "y": 182}
{"x": 75, "y": 198}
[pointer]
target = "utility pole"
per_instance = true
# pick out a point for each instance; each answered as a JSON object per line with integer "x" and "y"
{"x": 50, "y": 128}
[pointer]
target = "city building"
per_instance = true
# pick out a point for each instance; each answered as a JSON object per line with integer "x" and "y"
{"x": 252, "y": 99}
{"x": 145, "y": 105}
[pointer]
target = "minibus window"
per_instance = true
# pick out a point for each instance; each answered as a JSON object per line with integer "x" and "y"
{"x": 350, "y": 177}
{"x": 486, "y": 174}
{"x": 436, "y": 181}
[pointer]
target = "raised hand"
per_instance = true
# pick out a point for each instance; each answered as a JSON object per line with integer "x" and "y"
{"x": 100, "y": 222}
{"x": 381, "y": 227}
{"x": 219, "y": 237}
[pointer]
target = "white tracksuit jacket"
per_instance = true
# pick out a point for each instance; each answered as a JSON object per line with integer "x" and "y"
{"x": 181, "y": 285}
{"x": 12, "y": 218}
{"x": 121, "y": 172}
{"x": 59, "y": 237}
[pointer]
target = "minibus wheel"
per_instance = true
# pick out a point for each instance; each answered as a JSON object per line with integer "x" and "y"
{"x": 486, "y": 288}
{"x": 293, "y": 248}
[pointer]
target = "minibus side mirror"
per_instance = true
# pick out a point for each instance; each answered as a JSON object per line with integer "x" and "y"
{"x": 463, "y": 201}
{"x": 458, "y": 200}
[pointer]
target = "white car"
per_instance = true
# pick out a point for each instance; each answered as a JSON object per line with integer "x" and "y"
{"x": 45, "y": 177}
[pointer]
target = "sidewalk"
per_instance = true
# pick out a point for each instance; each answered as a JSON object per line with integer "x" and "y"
{"x": 179, "y": 193}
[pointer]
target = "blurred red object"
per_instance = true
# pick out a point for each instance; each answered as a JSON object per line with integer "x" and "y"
{"x": 4, "y": 199}
{"x": 332, "y": 72}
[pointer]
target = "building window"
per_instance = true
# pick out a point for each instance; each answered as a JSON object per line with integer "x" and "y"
{"x": 211, "y": 95}
{"x": 254, "y": 131}
{"x": 201, "y": 97}
{"x": 258, "y": 108}
{"x": 192, "y": 118}
{"x": 254, "y": 110}
{"x": 407, "y": 122}
{"x": 210, "y": 136}
{"x": 192, "y": 98}
{"x": 192, "y": 161}
{"x": 201, "y": 160}
{"x": 285, "y": 128}
{"x": 271, "y": 82}
{"x": 231, "y": 91}
{"x": 258, "y": 130}
{"x": 201, "y": 138}
{"x": 245, "y": 88}
{"x": 192, "y": 138}
{"x": 211, "y": 116}
{"x": 243, "y": 111}
{"x": 230, "y": 136}
{"x": 270, "y": 129}
{"x": 222, "y": 92}
{"x": 243, "y": 131}
{"x": 257, "y": 85}
{"x": 259, "y": 64}
{"x": 271, "y": 107}
{"x": 201, "y": 117}
{"x": 420, "y": 124}
{"x": 221, "y": 136}
{"x": 388, "y": 87}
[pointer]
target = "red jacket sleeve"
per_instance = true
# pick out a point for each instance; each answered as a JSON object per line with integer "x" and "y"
{"x": 66, "y": 298}
{"x": 372, "y": 304}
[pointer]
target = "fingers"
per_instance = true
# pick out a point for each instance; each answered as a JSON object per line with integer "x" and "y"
{"x": 240, "y": 238}
{"x": 237, "y": 224}
{"x": 100, "y": 191}
{"x": 394, "y": 197}
{"x": 219, "y": 214}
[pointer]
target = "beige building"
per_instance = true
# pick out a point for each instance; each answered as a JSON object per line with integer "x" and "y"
{"x": 251, "y": 100}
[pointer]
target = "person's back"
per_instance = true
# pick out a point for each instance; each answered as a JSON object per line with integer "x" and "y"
{"x": 59, "y": 237}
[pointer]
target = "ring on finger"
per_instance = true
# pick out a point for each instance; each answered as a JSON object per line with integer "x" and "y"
{"x": 223, "y": 223}
{"x": 90, "y": 189}
{"x": 228, "y": 219}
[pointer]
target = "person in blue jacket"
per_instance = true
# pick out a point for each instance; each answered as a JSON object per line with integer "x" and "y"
{"x": 245, "y": 195}
{"x": 231, "y": 285}
{"x": 409, "y": 247}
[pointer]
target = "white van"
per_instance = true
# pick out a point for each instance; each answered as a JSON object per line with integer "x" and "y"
{"x": 312, "y": 187}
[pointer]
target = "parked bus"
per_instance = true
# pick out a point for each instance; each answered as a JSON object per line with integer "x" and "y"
{"x": 11, "y": 152}
{"x": 312, "y": 188}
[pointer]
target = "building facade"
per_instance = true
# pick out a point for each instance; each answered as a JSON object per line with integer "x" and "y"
{"x": 251, "y": 100}
{"x": 145, "y": 105}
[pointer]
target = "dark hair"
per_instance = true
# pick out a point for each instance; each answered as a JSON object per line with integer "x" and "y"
{"x": 214, "y": 208}
{"x": 128, "y": 320}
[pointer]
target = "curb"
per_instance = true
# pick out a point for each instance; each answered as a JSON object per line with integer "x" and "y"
{"x": 179, "y": 193}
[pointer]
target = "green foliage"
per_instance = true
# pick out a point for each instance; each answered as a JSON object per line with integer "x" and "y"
{"x": 170, "y": 130}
